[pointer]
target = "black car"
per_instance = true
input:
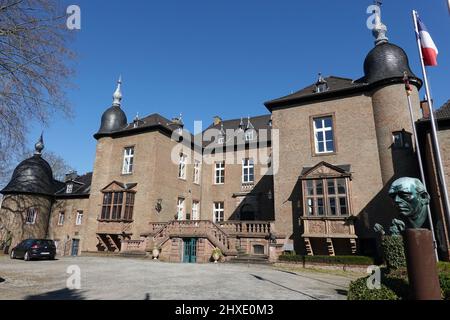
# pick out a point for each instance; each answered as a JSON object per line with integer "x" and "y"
{"x": 34, "y": 249}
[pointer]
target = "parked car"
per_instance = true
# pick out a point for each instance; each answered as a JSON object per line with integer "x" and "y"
{"x": 34, "y": 249}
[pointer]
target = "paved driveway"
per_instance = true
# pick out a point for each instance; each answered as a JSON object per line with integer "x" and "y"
{"x": 137, "y": 279}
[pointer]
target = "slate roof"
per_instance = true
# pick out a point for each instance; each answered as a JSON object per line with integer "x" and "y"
{"x": 257, "y": 123}
{"x": 81, "y": 186}
{"x": 335, "y": 85}
{"x": 444, "y": 111}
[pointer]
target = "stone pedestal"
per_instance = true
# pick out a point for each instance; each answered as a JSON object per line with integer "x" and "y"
{"x": 421, "y": 263}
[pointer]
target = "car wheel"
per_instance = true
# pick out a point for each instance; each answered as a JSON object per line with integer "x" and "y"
{"x": 26, "y": 257}
{"x": 13, "y": 254}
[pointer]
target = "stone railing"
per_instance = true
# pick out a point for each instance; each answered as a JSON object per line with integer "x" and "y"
{"x": 247, "y": 186}
{"x": 246, "y": 228}
{"x": 324, "y": 227}
{"x": 133, "y": 245}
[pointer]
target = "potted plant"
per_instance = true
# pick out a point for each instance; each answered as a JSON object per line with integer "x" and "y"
{"x": 155, "y": 252}
{"x": 216, "y": 254}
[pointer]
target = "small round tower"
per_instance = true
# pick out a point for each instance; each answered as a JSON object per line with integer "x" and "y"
{"x": 28, "y": 197}
{"x": 384, "y": 69}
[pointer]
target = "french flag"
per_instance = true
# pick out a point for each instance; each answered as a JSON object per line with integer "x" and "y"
{"x": 429, "y": 49}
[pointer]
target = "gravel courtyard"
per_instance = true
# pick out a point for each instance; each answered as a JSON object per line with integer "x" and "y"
{"x": 138, "y": 279}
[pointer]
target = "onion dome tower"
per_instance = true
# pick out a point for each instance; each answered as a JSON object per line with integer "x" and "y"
{"x": 32, "y": 176}
{"x": 384, "y": 69}
{"x": 29, "y": 195}
{"x": 113, "y": 119}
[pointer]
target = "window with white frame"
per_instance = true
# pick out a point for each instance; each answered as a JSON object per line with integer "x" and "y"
{"x": 61, "y": 218}
{"x": 219, "y": 172}
{"x": 31, "y": 216}
{"x": 324, "y": 135}
{"x": 197, "y": 172}
{"x": 218, "y": 212}
{"x": 248, "y": 171}
{"x": 221, "y": 140}
{"x": 182, "y": 166}
{"x": 79, "y": 219}
{"x": 195, "y": 210}
{"x": 326, "y": 197}
{"x": 69, "y": 188}
{"x": 249, "y": 135}
{"x": 128, "y": 160}
{"x": 180, "y": 209}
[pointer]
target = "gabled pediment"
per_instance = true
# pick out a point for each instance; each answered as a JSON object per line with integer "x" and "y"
{"x": 324, "y": 169}
{"x": 119, "y": 186}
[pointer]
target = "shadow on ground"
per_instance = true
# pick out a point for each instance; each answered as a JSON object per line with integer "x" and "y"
{"x": 284, "y": 287}
{"x": 2, "y": 280}
{"x": 63, "y": 294}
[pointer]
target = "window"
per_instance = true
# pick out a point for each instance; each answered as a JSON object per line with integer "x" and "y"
{"x": 129, "y": 206}
{"x": 69, "y": 188}
{"x": 326, "y": 197}
{"x": 79, "y": 219}
{"x": 180, "y": 209}
{"x": 61, "y": 219}
{"x": 401, "y": 140}
{"x": 116, "y": 213}
{"x": 249, "y": 135}
{"x": 221, "y": 140}
{"x": 113, "y": 204}
{"x": 31, "y": 216}
{"x": 197, "y": 172}
{"x": 219, "y": 176}
{"x": 195, "y": 210}
{"x": 128, "y": 156}
{"x": 323, "y": 135}
{"x": 182, "y": 167}
{"x": 218, "y": 211}
{"x": 248, "y": 171}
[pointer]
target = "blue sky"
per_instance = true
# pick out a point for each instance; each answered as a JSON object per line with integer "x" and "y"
{"x": 204, "y": 58}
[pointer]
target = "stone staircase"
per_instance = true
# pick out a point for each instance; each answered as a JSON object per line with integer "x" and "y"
{"x": 244, "y": 257}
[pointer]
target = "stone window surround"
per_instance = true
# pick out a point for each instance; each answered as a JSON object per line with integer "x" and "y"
{"x": 326, "y": 197}
{"x": 128, "y": 160}
{"x": 61, "y": 218}
{"x": 31, "y": 215}
{"x": 218, "y": 211}
{"x": 108, "y": 204}
{"x": 219, "y": 173}
{"x": 313, "y": 136}
{"x": 79, "y": 218}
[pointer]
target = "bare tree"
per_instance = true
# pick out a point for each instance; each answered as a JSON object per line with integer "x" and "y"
{"x": 35, "y": 68}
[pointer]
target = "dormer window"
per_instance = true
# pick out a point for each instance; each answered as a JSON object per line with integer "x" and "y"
{"x": 221, "y": 140}
{"x": 249, "y": 135}
{"x": 321, "y": 85}
{"x": 401, "y": 140}
{"x": 69, "y": 188}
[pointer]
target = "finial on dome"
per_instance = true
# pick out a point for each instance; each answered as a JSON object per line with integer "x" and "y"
{"x": 117, "y": 96}
{"x": 39, "y": 146}
{"x": 379, "y": 30}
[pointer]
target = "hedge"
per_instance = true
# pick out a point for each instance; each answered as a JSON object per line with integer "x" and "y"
{"x": 359, "y": 291}
{"x": 393, "y": 252}
{"x": 347, "y": 260}
{"x": 394, "y": 286}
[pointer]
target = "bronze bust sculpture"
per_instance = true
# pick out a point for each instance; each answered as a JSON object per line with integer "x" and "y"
{"x": 411, "y": 200}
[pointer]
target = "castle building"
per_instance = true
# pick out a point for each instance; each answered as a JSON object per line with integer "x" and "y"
{"x": 311, "y": 176}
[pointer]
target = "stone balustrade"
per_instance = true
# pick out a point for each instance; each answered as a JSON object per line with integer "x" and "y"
{"x": 133, "y": 245}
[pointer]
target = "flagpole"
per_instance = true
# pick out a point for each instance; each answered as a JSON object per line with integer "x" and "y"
{"x": 419, "y": 157}
{"x": 437, "y": 148}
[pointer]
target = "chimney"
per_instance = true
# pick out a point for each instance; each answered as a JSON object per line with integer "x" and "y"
{"x": 425, "y": 109}
{"x": 71, "y": 175}
{"x": 217, "y": 120}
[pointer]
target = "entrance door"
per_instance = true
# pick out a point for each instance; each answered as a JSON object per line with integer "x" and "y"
{"x": 190, "y": 250}
{"x": 75, "y": 246}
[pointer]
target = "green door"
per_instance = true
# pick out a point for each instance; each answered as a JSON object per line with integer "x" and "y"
{"x": 190, "y": 250}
